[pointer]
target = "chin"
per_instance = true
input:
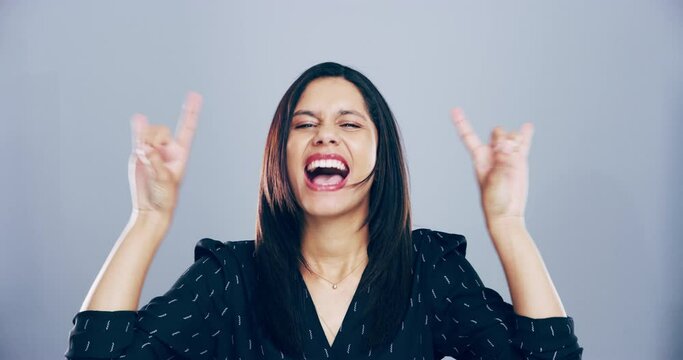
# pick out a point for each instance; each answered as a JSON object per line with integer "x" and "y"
{"x": 329, "y": 208}
{"x": 326, "y": 209}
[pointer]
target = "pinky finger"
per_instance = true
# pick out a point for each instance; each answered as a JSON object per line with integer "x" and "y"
{"x": 467, "y": 134}
{"x": 137, "y": 123}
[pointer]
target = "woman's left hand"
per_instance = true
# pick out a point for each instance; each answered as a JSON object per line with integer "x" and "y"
{"x": 501, "y": 167}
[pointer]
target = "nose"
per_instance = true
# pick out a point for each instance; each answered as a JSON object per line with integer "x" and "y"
{"x": 326, "y": 135}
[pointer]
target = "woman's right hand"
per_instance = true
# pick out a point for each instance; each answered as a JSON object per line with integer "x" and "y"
{"x": 157, "y": 163}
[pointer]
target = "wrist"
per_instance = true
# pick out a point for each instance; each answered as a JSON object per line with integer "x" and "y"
{"x": 505, "y": 225}
{"x": 150, "y": 218}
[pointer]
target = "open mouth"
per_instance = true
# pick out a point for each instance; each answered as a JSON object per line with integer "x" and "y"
{"x": 326, "y": 172}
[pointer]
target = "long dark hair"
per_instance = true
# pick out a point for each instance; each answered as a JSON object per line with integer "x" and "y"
{"x": 279, "y": 299}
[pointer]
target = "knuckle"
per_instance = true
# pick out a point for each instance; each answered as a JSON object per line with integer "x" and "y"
{"x": 162, "y": 135}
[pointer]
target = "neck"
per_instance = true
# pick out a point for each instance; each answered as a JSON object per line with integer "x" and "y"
{"x": 332, "y": 248}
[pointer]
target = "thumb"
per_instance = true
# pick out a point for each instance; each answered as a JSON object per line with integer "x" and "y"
{"x": 156, "y": 164}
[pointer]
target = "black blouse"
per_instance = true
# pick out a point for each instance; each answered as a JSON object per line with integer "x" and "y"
{"x": 206, "y": 315}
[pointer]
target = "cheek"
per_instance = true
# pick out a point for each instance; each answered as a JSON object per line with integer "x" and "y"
{"x": 293, "y": 153}
{"x": 290, "y": 164}
{"x": 366, "y": 153}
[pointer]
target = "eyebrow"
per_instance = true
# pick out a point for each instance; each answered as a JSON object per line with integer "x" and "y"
{"x": 339, "y": 113}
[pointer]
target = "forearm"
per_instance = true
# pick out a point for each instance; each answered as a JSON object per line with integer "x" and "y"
{"x": 119, "y": 283}
{"x": 531, "y": 288}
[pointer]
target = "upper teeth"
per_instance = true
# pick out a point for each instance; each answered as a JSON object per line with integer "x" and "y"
{"x": 330, "y": 163}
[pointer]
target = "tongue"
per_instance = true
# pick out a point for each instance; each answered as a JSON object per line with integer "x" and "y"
{"x": 327, "y": 179}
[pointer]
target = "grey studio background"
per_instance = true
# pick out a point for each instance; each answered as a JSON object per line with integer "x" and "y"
{"x": 602, "y": 82}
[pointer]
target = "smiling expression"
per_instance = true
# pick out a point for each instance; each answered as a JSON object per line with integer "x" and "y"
{"x": 332, "y": 145}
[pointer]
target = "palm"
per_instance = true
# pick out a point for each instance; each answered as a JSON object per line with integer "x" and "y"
{"x": 174, "y": 157}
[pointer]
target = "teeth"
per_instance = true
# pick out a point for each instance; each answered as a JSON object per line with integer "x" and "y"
{"x": 330, "y": 163}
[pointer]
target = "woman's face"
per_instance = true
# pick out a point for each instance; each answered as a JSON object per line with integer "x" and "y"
{"x": 332, "y": 144}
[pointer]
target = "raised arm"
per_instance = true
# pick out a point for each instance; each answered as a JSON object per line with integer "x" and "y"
{"x": 156, "y": 167}
{"x": 501, "y": 169}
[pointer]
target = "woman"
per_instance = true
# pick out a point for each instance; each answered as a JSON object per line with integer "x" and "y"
{"x": 335, "y": 270}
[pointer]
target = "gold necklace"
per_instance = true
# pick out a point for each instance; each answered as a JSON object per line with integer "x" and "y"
{"x": 334, "y": 285}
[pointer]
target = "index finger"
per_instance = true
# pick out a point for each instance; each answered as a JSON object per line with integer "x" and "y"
{"x": 188, "y": 120}
{"x": 469, "y": 137}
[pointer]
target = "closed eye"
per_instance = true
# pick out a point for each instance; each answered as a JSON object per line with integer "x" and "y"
{"x": 351, "y": 125}
{"x": 304, "y": 126}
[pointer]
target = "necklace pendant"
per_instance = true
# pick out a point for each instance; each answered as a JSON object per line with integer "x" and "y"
{"x": 334, "y": 286}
